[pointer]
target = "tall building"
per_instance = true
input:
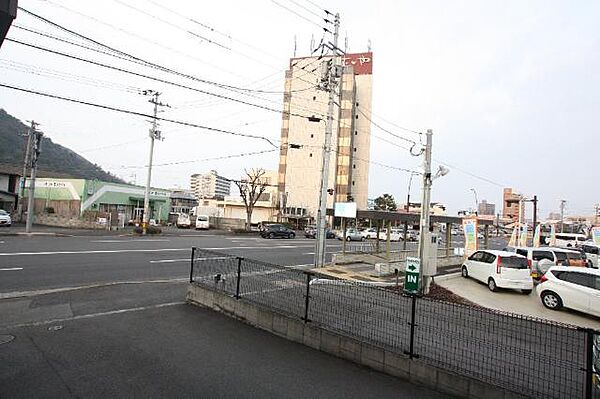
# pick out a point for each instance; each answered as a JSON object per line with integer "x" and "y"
{"x": 300, "y": 168}
{"x": 510, "y": 205}
{"x": 485, "y": 208}
{"x": 210, "y": 185}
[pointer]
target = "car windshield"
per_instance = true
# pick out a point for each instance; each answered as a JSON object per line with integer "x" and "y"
{"x": 574, "y": 255}
{"x": 513, "y": 262}
{"x": 3, "y": 212}
{"x": 561, "y": 256}
{"x": 203, "y": 218}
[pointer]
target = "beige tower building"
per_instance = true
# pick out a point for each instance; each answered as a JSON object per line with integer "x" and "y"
{"x": 300, "y": 168}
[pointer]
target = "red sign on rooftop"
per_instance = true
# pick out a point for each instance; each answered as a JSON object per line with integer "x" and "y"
{"x": 362, "y": 62}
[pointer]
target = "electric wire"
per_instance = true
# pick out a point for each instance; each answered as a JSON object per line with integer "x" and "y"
{"x": 111, "y": 108}
{"x": 300, "y": 15}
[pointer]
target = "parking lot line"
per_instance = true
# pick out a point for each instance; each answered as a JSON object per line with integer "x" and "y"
{"x": 10, "y": 269}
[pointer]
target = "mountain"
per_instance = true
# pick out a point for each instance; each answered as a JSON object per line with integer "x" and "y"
{"x": 55, "y": 160}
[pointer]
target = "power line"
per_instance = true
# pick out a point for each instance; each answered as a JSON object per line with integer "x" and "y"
{"x": 307, "y": 10}
{"x": 150, "y": 77}
{"x": 108, "y": 107}
{"x": 299, "y": 15}
{"x": 470, "y": 173}
{"x": 244, "y": 154}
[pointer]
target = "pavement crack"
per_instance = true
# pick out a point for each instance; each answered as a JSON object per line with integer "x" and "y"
{"x": 51, "y": 365}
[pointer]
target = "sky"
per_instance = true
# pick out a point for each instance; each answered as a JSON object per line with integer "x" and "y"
{"x": 511, "y": 89}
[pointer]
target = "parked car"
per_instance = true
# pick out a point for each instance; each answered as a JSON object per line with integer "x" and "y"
{"x": 395, "y": 235}
{"x": 499, "y": 269}
{"x": 370, "y": 233}
{"x": 183, "y": 221}
{"x": 571, "y": 287}
{"x": 311, "y": 232}
{"x": 569, "y": 257}
{"x": 277, "y": 231}
{"x": 570, "y": 240}
{"x": 351, "y": 234}
{"x": 592, "y": 253}
{"x": 5, "y": 219}
{"x": 202, "y": 222}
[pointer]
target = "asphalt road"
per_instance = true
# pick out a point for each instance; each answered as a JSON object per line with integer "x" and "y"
{"x": 111, "y": 347}
{"x": 46, "y": 262}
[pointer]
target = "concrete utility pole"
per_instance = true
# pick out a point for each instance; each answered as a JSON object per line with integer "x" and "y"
{"x": 154, "y": 134}
{"x": 332, "y": 86}
{"x": 425, "y": 203}
{"x": 35, "y": 154}
{"x": 562, "y": 213}
{"x": 26, "y": 164}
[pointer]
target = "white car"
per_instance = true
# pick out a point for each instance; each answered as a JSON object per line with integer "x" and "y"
{"x": 395, "y": 235}
{"x": 370, "y": 233}
{"x": 575, "y": 288}
{"x": 202, "y": 222}
{"x": 5, "y": 219}
{"x": 592, "y": 252}
{"x": 499, "y": 269}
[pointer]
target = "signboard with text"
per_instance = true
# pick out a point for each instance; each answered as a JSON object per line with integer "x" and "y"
{"x": 470, "y": 229}
{"x": 411, "y": 276}
{"x": 344, "y": 209}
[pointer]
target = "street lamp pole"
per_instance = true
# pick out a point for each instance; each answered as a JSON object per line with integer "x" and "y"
{"x": 407, "y": 208}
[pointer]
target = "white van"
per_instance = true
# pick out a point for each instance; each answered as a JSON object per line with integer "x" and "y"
{"x": 202, "y": 222}
{"x": 499, "y": 269}
{"x": 570, "y": 239}
{"x": 183, "y": 221}
{"x": 592, "y": 253}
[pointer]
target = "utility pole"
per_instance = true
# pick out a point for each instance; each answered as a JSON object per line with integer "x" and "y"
{"x": 331, "y": 84}
{"x": 476, "y": 201}
{"x": 562, "y": 213}
{"x": 535, "y": 201}
{"x": 424, "y": 236}
{"x": 154, "y": 134}
{"x": 26, "y": 164}
{"x": 407, "y": 207}
{"x": 35, "y": 154}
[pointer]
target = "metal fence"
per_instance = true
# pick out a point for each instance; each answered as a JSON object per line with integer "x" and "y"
{"x": 525, "y": 355}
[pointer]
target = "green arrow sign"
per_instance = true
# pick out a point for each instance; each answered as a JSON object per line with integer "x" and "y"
{"x": 411, "y": 278}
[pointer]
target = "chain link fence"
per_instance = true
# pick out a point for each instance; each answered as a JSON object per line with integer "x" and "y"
{"x": 525, "y": 355}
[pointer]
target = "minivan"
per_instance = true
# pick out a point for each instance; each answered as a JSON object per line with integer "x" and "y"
{"x": 592, "y": 252}
{"x": 202, "y": 222}
{"x": 570, "y": 239}
{"x": 499, "y": 269}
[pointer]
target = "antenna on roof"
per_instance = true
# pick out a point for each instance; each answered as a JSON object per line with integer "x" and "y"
{"x": 295, "y": 46}
{"x": 312, "y": 42}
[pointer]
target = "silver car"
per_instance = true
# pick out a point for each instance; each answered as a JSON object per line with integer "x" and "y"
{"x": 352, "y": 235}
{"x": 5, "y": 219}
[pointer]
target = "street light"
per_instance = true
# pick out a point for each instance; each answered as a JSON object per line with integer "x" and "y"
{"x": 476, "y": 201}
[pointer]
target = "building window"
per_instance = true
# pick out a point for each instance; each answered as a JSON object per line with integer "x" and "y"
{"x": 310, "y": 155}
{"x": 354, "y": 149}
{"x": 354, "y": 166}
{"x": 357, "y": 104}
{"x": 352, "y": 182}
{"x": 356, "y": 132}
{"x": 314, "y": 98}
{"x": 312, "y": 135}
{"x": 356, "y": 116}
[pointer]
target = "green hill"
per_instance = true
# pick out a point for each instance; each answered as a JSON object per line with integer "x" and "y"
{"x": 55, "y": 160}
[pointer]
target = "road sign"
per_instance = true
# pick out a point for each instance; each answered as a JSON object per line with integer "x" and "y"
{"x": 411, "y": 277}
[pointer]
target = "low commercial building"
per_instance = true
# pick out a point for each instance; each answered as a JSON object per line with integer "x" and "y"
{"x": 76, "y": 198}
{"x": 9, "y": 187}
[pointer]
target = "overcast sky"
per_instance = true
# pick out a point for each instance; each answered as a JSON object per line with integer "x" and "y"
{"x": 511, "y": 89}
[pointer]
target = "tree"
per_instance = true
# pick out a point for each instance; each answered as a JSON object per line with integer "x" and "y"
{"x": 385, "y": 202}
{"x": 251, "y": 187}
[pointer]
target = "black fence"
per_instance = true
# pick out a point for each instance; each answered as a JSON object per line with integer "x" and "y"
{"x": 525, "y": 355}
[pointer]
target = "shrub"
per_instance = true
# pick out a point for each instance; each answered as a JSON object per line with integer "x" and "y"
{"x": 150, "y": 230}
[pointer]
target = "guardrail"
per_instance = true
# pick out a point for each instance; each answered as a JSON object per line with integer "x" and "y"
{"x": 525, "y": 355}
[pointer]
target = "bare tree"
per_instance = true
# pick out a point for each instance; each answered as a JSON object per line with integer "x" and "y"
{"x": 251, "y": 187}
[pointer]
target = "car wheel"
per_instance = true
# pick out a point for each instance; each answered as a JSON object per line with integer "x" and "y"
{"x": 348, "y": 238}
{"x": 526, "y": 292}
{"x": 362, "y": 238}
{"x": 292, "y": 235}
{"x": 551, "y": 300}
{"x": 271, "y": 235}
{"x": 464, "y": 272}
{"x": 492, "y": 285}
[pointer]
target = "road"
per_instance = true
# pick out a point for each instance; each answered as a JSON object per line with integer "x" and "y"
{"x": 76, "y": 333}
{"x": 45, "y": 262}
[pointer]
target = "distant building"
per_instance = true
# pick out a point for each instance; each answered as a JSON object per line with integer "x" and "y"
{"x": 435, "y": 208}
{"x": 510, "y": 205}
{"x": 9, "y": 187}
{"x": 300, "y": 167}
{"x": 554, "y": 216}
{"x": 485, "y": 208}
{"x": 266, "y": 207}
{"x": 182, "y": 201}
{"x": 210, "y": 185}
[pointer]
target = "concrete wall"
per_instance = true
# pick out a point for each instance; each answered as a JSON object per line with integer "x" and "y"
{"x": 379, "y": 359}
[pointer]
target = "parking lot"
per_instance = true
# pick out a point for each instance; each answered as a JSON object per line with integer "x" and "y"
{"x": 514, "y": 302}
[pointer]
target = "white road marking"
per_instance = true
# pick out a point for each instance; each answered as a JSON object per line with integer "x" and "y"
{"x": 9, "y": 269}
{"x": 136, "y": 240}
{"x": 308, "y": 253}
{"x": 170, "y": 260}
{"x": 92, "y": 315}
{"x": 198, "y": 235}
